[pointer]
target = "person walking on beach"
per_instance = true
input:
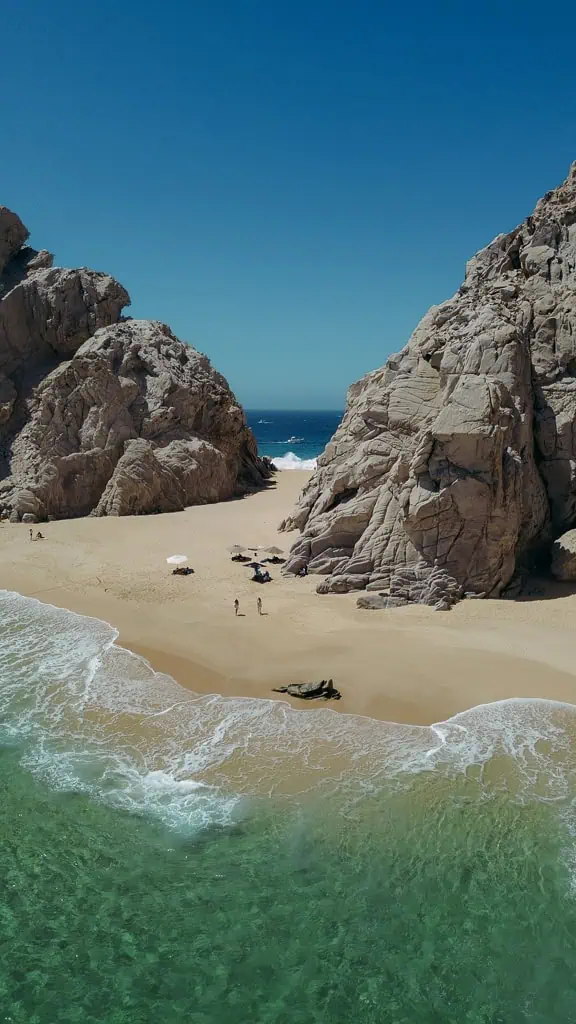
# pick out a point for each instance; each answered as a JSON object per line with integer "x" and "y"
{"x": 236, "y": 606}
{"x": 259, "y": 605}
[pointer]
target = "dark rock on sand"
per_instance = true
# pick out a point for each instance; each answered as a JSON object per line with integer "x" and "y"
{"x": 310, "y": 691}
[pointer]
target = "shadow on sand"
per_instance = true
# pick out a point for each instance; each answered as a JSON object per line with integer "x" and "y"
{"x": 542, "y": 588}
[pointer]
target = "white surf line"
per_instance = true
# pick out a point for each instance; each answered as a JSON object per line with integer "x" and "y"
{"x": 179, "y": 704}
{"x": 323, "y": 711}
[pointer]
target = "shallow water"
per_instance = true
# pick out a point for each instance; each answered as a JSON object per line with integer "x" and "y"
{"x": 173, "y": 858}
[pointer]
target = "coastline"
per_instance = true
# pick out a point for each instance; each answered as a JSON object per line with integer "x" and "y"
{"x": 409, "y": 665}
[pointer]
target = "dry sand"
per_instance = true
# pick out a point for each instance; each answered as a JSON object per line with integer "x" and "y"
{"x": 407, "y": 665}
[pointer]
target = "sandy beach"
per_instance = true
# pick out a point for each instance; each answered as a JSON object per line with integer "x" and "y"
{"x": 407, "y": 665}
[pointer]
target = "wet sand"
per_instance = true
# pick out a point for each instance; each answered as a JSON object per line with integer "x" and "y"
{"x": 407, "y": 665}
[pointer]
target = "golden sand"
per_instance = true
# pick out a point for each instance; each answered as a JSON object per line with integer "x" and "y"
{"x": 408, "y": 664}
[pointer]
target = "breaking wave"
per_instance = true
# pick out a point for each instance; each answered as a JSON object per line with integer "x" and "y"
{"x": 292, "y": 461}
{"x": 93, "y": 717}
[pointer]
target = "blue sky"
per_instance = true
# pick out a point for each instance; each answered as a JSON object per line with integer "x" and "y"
{"x": 289, "y": 185}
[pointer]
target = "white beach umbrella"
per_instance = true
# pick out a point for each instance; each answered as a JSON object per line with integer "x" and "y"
{"x": 274, "y": 550}
{"x": 236, "y": 549}
{"x": 177, "y": 559}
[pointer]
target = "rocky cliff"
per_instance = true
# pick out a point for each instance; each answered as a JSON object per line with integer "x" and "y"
{"x": 455, "y": 464}
{"x": 103, "y": 415}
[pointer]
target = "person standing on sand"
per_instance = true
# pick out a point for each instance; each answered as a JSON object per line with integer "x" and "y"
{"x": 259, "y": 605}
{"x": 236, "y": 606}
{"x": 31, "y": 535}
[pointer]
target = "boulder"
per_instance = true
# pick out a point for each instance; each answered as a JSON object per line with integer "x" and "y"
{"x": 324, "y": 690}
{"x": 135, "y": 422}
{"x": 455, "y": 463}
{"x": 101, "y": 414}
{"x": 563, "y": 560}
{"x": 51, "y": 313}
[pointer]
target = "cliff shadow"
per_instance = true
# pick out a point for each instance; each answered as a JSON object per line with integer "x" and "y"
{"x": 266, "y": 485}
{"x": 25, "y": 381}
{"x": 544, "y": 588}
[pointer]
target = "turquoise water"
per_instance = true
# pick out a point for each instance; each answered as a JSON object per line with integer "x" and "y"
{"x": 172, "y": 858}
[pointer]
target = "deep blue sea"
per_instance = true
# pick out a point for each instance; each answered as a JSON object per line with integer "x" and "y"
{"x": 294, "y": 440}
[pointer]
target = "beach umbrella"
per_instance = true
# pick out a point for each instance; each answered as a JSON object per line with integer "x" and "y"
{"x": 275, "y": 551}
{"x": 177, "y": 559}
{"x": 237, "y": 549}
{"x": 254, "y": 565}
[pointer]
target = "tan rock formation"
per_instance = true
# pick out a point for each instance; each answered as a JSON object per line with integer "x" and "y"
{"x": 102, "y": 415}
{"x": 456, "y": 462}
{"x": 13, "y": 234}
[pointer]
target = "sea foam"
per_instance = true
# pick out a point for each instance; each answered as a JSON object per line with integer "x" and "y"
{"x": 292, "y": 461}
{"x": 91, "y": 716}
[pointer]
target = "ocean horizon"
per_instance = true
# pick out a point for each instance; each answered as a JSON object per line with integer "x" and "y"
{"x": 293, "y": 439}
{"x": 158, "y": 867}
{"x": 287, "y": 695}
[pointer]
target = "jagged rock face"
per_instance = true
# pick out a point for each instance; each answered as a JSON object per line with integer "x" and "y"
{"x": 563, "y": 560}
{"x": 100, "y": 415}
{"x": 457, "y": 460}
{"x": 13, "y": 234}
{"x": 51, "y": 313}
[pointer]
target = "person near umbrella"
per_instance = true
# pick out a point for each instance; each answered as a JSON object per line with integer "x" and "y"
{"x": 180, "y": 562}
{"x": 237, "y": 552}
{"x": 275, "y": 552}
{"x": 259, "y": 605}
